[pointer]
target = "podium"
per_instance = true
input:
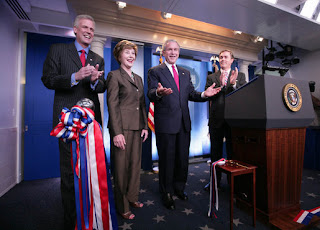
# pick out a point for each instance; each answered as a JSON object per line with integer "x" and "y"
{"x": 268, "y": 131}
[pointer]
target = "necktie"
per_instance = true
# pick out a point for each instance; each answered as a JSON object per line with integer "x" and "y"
{"x": 225, "y": 78}
{"x": 83, "y": 57}
{"x": 176, "y": 77}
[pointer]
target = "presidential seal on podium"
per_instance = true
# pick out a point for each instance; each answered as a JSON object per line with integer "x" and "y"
{"x": 292, "y": 97}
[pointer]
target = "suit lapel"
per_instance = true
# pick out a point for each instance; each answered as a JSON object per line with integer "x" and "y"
{"x": 73, "y": 53}
{"x": 183, "y": 80}
{"x": 126, "y": 76}
{"x": 91, "y": 58}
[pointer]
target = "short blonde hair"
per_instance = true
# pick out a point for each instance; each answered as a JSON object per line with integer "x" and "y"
{"x": 124, "y": 44}
{"x": 82, "y": 16}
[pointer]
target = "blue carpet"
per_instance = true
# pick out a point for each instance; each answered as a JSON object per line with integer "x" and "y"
{"x": 36, "y": 205}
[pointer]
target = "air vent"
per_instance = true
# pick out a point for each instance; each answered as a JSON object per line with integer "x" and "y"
{"x": 18, "y": 10}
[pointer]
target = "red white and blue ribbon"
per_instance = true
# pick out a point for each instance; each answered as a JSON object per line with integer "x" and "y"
{"x": 93, "y": 189}
{"x": 214, "y": 199}
{"x": 315, "y": 211}
{"x": 304, "y": 217}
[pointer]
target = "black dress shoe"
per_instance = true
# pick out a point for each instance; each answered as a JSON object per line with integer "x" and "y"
{"x": 168, "y": 201}
{"x": 181, "y": 195}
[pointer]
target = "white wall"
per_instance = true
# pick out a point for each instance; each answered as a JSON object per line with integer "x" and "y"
{"x": 9, "y": 46}
{"x": 309, "y": 69}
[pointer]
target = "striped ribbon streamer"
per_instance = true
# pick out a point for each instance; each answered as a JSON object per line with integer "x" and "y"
{"x": 304, "y": 217}
{"x": 93, "y": 190}
{"x": 214, "y": 199}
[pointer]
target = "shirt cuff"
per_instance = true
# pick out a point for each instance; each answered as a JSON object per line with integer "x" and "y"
{"x": 158, "y": 95}
{"x": 73, "y": 80}
{"x": 202, "y": 95}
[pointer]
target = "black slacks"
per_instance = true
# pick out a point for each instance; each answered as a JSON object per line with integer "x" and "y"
{"x": 67, "y": 186}
{"x": 173, "y": 151}
{"x": 216, "y": 139}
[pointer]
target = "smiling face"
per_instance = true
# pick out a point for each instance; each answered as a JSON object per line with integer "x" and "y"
{"x": 127, "y": 58}
{"x": 171, "y": 52}
{"x": 84, "y": 32}
{"x": 225, "y": 60}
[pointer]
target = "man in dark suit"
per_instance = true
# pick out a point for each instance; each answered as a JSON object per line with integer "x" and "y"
{"x": 228, "y": 81}
{"x": 170, "y": 88}
{"x": 74, "y": 72}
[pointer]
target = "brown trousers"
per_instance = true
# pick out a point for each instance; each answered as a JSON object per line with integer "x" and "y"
{"x": 126, "y": 170}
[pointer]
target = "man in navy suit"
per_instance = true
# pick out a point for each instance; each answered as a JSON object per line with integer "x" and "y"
{"x": 73, "y": 79}
{"x": 170, "y": 88}
{"x": 228, "y": 80}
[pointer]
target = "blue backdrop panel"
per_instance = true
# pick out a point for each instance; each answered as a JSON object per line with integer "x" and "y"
{"x": 41, "y": 153}
{"x": 312, "y": 148}
{"x": 107, "y": 54}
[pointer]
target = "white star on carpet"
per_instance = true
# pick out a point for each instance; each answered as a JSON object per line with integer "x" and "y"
{"x": 149, "y": 202}
{"x": 196, "y": 193}
{"x": 159, "y": 218}
{"x": 188, "y": 211}
{"x": 206, "y": 171}
{"x": 236, "y": 222}
{"x": 202, "y": 180}
{"x": 142, "y": 191}
{"x": 310, "y": 178}
{"x": 206, "y": 228}
{"x": 196, "y": 166}
{"x": 191, "y": 174}
{"x": 156, "y": 179}
{"x": 174, "y": 198}
{"x": 312, "y": 195}
{"x": 125, "y": 226}
{"x": 150, "y": 173}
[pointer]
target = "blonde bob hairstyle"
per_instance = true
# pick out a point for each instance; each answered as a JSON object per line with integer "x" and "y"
{"x": 122, "y": 45}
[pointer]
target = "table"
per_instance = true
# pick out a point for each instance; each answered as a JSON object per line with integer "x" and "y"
{"x": 235, "y": 168}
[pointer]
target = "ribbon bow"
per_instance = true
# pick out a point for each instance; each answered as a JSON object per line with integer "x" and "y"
{"x": 72, "y": 123}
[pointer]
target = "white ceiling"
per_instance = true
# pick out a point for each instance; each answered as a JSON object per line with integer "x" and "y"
{"x": 256, "y": 17}
{"x": 281, "y": 23}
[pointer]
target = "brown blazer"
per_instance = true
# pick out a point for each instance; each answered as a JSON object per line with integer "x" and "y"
{"x": 126, "y": 102}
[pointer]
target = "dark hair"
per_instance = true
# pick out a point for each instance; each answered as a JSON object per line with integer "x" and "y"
{"x": 227, "y": 51}
{"x": 124, "y": 44}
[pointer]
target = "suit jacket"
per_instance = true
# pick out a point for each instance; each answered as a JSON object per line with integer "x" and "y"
{"x": 171, "y": 110}
{"x": 126, "y": 102}
{"x": 62, "y": 61}
{"x": 217, "y": 102}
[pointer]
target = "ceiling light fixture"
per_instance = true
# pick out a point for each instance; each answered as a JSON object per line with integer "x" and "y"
{"x": 271, "y": 1}
{"x": 309, "y": 7}
{"x": 121, "y": 5}
{"x": 166, "y": 15}
{"x": 237, "y": 32}
{"x": 257, "y": 39}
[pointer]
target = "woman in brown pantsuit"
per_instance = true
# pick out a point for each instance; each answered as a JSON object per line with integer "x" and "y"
{"x": 127, "y": 126}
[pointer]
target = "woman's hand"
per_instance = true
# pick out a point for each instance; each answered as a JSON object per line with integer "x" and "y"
{"x": 119, "y": 141}
{"x": 144, "y": 135}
